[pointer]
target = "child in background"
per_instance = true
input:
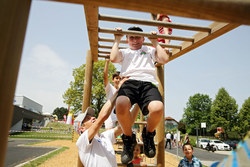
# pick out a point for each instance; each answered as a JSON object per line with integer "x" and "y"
{"x": 137, "y": 159}
{"x": 110, "y": 90}
{"x": 164, "y": 30}
{"x": 189, "y": 159}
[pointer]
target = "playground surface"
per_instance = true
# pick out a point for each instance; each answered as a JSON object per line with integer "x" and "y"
{"x": 69, "y": 157}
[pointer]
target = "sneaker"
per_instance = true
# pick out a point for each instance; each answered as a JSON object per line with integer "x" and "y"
{"x": 129, "y": 143}
{"x": 148, "y": 141}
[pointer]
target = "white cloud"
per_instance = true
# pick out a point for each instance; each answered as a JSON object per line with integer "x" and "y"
{"x": 43, "y": 77}
{"x": 44, "y": 61}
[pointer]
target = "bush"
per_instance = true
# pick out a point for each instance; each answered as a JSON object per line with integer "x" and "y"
{"x": 192, "y": 140}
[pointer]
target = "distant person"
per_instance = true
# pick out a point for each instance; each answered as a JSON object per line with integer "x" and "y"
{"x": 175, "y": 139}
{"x": 110, "y": 90}
{"x": 186, "y": 139}
{"x": 189, "y": 159}
{"x": 168, "y": 140}
{"x": 181, "y": 140}
{"x": 172, "y": 138}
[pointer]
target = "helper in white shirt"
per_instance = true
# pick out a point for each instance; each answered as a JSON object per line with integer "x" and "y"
{"x": 97, "y": 149}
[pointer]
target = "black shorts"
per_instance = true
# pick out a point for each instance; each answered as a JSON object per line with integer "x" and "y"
{"x": 140, "y": 92}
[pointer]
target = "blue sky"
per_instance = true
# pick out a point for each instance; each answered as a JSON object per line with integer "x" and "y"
{"x": 57, "y": 41}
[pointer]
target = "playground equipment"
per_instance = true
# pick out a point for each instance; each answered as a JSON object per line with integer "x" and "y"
{"x": 13, "y": 21}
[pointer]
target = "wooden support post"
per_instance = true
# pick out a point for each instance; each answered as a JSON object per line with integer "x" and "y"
{"x": 91, "y": 16}
{"x": 160, "y": 131}
{"x": 87, "y": 81}
{"x": 13, "y": 21}
{"x": 87, "y": 88}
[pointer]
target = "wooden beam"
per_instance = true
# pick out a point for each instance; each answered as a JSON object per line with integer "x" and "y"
{"x": 231, "y": 11}
{"x": 201, "y": 38}
{"x": 68, "y": 1}
{"x": 153, "y": 23}
{"x": 137, "y": 33}
{"x": 13, "y": 20}
{"x": 104, "y": 52}
{"x": 110, "y": 47}
{"x": 91, "y": 15}
{"x": 144, "y": 43}
{"x": 103, "y": 56}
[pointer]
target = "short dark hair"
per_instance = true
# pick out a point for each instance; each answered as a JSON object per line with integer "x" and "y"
{"x": 117, "y": 73}
{"x": 187, "y": 144}
{"x": 135, "y": 28}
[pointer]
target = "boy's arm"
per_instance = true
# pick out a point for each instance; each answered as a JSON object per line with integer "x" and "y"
{"x": 115, "y": 54}
{"x": 160, "y": 54}
{"x": 105, "y": 73}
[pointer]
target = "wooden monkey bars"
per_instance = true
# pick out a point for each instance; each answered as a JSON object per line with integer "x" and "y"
{"x": 232, "y": 12}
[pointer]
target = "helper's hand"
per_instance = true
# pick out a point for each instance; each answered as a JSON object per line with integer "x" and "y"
{"x": 122, "y": 81}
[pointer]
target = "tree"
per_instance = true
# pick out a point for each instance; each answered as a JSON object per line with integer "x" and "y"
{"x": 74, "y": 95}
{"x": 224, "y": 112}
{"x": 181, "y": 126}
{"x": 196, "y": 112}
{"x": 244, "y": 117}
{"x": 60, "y": 112}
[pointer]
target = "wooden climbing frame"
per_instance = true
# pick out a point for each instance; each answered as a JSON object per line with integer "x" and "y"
{"x": 13, "y": 21}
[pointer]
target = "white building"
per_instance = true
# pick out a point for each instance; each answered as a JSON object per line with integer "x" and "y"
{"x": 28, "y": 104}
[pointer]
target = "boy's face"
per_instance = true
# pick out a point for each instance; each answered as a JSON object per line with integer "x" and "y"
{"x": 116, "y": 80}
{"x": 166, "y": 19}
{"x": 135, "y": 42}
{"x": 137, "y": 151}
{"x": 188, "y": 151}
{"x": 87, "y": 122}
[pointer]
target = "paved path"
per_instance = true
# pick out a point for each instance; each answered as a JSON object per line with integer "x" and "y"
{"x": 207, "y": 158}
{"x": 16, "y": 153}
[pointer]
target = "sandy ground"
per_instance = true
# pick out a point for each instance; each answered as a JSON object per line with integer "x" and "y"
{"x": 69, "y": 157}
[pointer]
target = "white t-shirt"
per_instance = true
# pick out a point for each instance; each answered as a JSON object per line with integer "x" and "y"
{"x": 139, "y": 64}
{"x": 99, "y": 152}
{"x": 175, "y": 136}
{"x": 112, "y": 119}
{"x": 168, "y": 136}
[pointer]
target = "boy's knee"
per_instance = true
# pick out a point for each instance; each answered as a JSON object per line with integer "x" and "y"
{"x": 122, "y": 104}
{"x": 156, "y": 107}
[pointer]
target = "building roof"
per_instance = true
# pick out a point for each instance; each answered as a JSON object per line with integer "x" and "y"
{"x": 171, "y": 119}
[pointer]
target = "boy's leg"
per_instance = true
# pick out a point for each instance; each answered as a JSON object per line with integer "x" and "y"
{"x": 155, "y": 109}
{"x": 123, "y": 106}
{"x": 155, "y": 115}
